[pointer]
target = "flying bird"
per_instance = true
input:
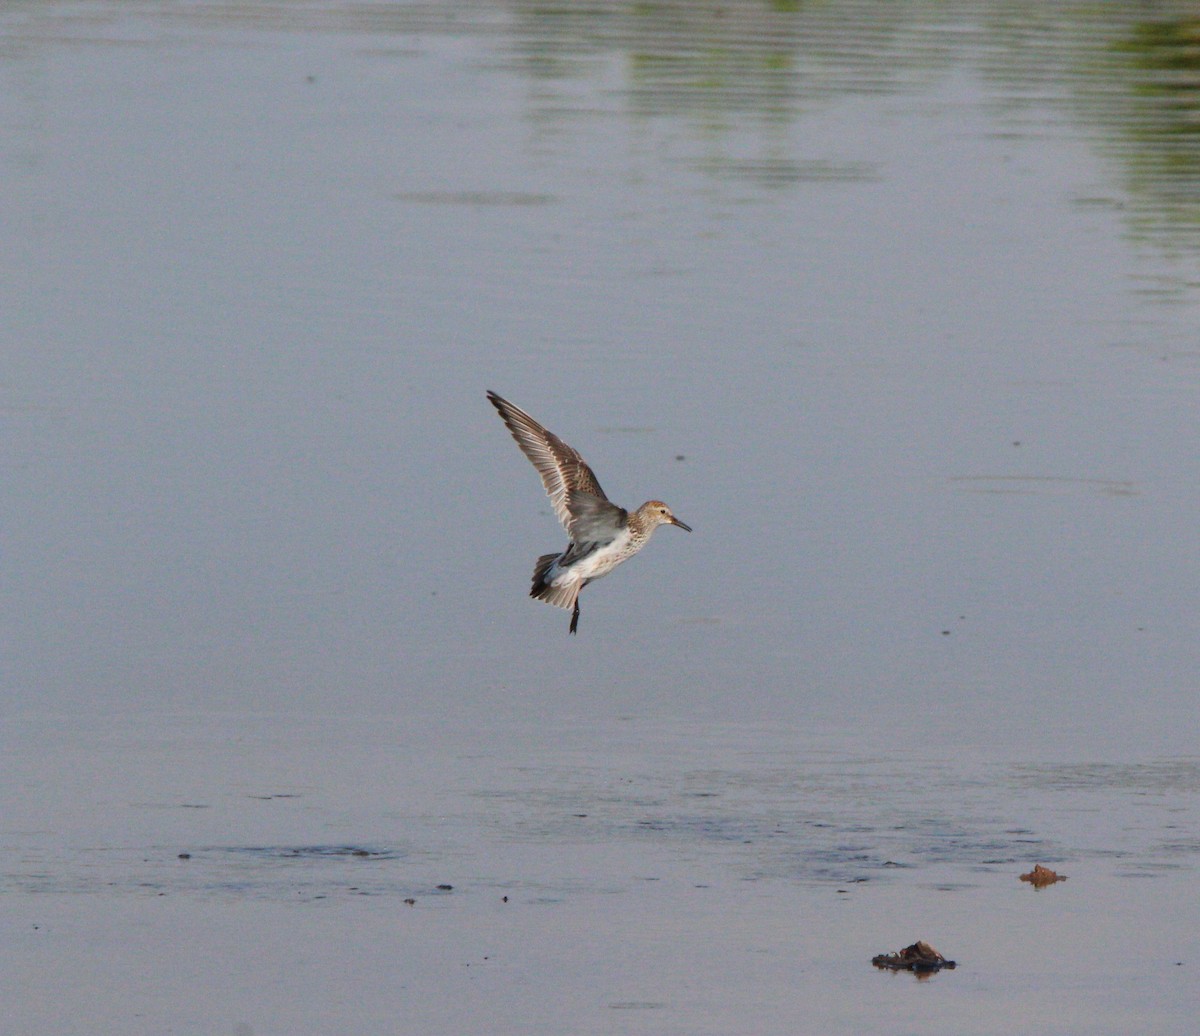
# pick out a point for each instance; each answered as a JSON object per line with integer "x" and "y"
{"x": 602, "y": 535}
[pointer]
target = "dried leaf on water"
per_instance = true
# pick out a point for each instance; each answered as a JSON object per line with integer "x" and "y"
{"x": 1041, "y": 876}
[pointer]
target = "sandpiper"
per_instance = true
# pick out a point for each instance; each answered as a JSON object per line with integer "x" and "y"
{"x": 602, "y": 534}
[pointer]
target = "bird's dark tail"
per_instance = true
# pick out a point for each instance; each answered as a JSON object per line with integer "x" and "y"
{"x": 565, "y": 595}
{"x": 541, "y": 589}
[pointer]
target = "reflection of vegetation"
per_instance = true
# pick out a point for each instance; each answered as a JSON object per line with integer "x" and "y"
{"x": 753, "y": 56}
{"x": 1167, "y": 46}
{"x": 727, "y": 81}
{"x": 729, "y": 68}
{"x": 1157, "y": 125}
{"x": 725, "y": 70}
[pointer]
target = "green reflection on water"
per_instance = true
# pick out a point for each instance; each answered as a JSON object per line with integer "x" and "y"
{"x": 1156, "y": 128}
{"x": 733, "y": 79}
{"x": 1129, "y": 86}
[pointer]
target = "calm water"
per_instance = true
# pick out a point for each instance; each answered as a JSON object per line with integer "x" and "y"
{"x": 897, "y": 306}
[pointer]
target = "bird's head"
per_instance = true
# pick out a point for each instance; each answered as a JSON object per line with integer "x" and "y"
{"x": 657, "y": 513}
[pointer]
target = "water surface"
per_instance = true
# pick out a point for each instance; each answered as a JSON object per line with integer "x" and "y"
{"x": 895, "y": 304}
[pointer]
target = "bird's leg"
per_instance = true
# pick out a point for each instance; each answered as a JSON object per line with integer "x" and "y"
{"x": 575, "y": 616}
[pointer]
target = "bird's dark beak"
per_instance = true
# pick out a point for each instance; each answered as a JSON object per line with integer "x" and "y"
{"x": 676, "y": 521}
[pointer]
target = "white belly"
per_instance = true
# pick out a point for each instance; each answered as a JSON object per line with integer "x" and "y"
{"x": 598, "y": 563}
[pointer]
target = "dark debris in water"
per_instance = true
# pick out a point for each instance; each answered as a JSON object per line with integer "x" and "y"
{"x": 919, "y": 957}
{"x": 315, "y": 852}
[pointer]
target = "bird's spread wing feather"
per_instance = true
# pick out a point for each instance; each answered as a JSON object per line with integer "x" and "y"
{"x": 562, "y": 469}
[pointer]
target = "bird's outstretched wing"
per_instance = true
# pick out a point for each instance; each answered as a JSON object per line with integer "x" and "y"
{"x": 562, "y": 469}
